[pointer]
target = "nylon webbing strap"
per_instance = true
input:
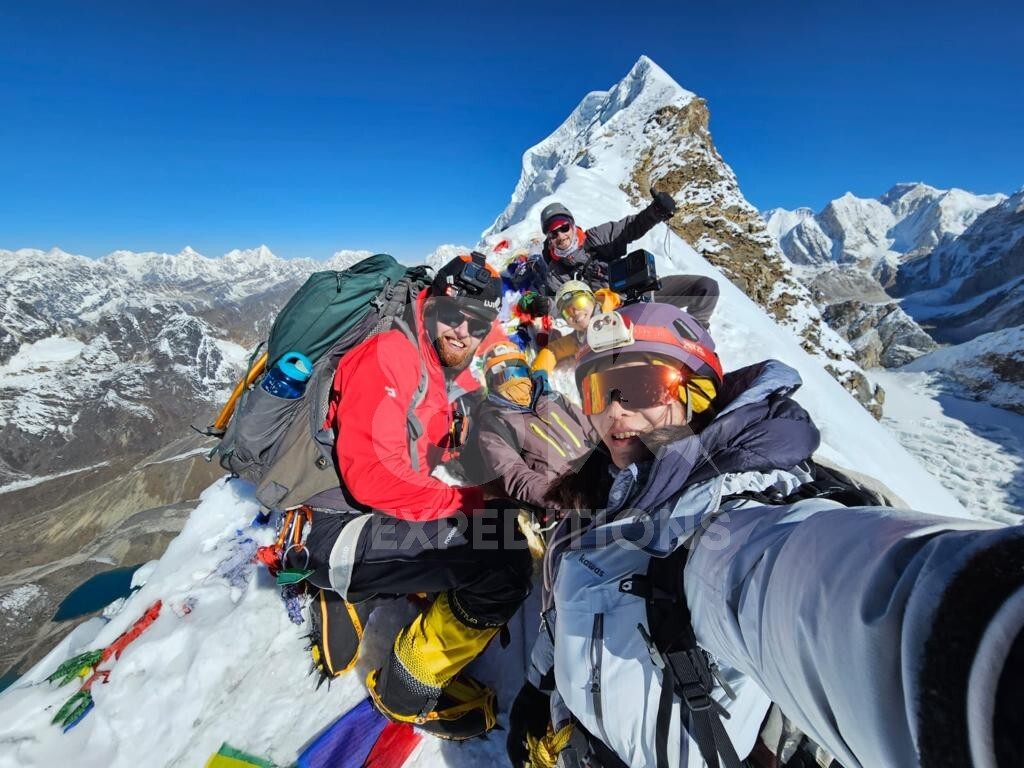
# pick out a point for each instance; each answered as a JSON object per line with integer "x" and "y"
{"x": 687, "y": 670}
{"x": 415, "y": 427}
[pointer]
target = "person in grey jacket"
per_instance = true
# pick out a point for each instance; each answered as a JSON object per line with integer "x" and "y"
{"x": 525, "y": 434}
{"x": 571, "y": 253}
{"x": 889, "y": 637}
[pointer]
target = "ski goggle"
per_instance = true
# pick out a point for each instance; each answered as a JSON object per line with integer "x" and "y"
{"x": 634, "y": 387}
{"x": 553, "y": 233}
{"x": 579, "y": 301}
{"x": 451, "y": 314}
{"x": 502, "y": 373}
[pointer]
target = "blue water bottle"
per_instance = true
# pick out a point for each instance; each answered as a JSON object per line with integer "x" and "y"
{"x": 288, "y": 378}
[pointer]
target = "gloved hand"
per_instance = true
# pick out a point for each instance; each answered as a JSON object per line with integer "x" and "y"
{"x": 663, "y": 204}
{"x": 596, "y": 271}
{"x": 534, "y": 304}
{"x": 528, "y": 720}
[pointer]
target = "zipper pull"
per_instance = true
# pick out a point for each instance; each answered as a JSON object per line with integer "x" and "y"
{"x": 713, "y": 666}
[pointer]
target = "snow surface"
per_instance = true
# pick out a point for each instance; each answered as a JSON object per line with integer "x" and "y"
{"x": 221, "y": 663}
{"x": 972, "y": 364}
{"x": 36, "y": 480}
{"x": 45, "y": 353}
{"x": 19, "y": 597}
{"x": 977, "y": 450}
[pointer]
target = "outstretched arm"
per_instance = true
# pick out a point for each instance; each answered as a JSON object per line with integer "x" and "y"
{"x": 610, "y": 241}
{"x": 845, "y": 618}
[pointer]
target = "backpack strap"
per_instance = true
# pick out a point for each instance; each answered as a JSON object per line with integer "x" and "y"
{"x": 826, "y": 483}
{"x": 393, "y": 313}
{"x": 687, "y": 670}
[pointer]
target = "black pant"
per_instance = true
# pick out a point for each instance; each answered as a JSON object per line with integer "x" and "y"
{"x": 696, "y": 294}
{"x": 482, "y": 559}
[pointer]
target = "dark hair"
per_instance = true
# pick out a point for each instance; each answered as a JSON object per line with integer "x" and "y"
{"x": 586, "y": 486}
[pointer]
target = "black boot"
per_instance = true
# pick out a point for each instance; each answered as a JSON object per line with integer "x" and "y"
{"x": 463, "y": 709}
{"x": 336, "y": 632}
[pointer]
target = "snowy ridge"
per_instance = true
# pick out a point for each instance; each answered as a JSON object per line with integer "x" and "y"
{"x": 223, "y": 662}
{"x": 603, "y": 133}
{"x": 988, "y": 365}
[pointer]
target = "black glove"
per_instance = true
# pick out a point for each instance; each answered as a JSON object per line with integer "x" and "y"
{"x": 541, "y": 306}
{"x": 596, "y": 273}
{"x": 535, "y": 304}
{"x": 530, "y": 715}
{"x": 663, "y": 204}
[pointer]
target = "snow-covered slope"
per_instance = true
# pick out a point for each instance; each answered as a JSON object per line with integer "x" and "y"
{"x": 989, "y": 367}
{"x": 223, "y": 662}
{"x": 976, "y": 448}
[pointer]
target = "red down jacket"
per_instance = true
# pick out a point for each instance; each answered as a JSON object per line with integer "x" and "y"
{"x": 373, "y": 388}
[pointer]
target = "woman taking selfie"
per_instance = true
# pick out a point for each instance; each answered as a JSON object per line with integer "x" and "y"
{"x": 705, "y": 573}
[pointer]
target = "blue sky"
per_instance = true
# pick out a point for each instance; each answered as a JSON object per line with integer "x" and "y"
{"x": 316, "y": 126}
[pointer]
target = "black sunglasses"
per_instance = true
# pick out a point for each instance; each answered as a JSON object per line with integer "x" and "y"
{"x": 451, "y": 314}
{"x": 559, "y": 230}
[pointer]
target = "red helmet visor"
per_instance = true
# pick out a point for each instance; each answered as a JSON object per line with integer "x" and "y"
{"x": 634, "y": 386}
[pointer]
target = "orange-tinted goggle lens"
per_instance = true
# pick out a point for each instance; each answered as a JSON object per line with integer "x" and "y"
{"x": 635, "y": 386}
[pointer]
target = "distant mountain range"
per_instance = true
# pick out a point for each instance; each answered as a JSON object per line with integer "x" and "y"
{"x": 916, "y": 266}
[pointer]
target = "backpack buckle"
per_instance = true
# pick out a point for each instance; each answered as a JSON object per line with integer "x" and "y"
{"x": 696, "y": 697}
{"x": 694, "y": 685}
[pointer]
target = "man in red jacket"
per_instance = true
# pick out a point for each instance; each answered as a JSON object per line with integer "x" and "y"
{"x": 392, "y": 529}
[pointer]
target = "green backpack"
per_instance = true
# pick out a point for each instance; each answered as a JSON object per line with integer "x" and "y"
{"x": 280, "y": 444}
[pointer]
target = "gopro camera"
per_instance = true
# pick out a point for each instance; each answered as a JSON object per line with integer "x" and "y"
{"x": 474, "y": 277}
{"x": 634, "y": 275}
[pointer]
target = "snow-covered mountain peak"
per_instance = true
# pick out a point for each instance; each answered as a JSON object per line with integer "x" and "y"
{"x": 345, "y": 258}
{"x": 780, "y": 221}
{"x": 605, "y": 132}
{"x": 648, "y": 84}
{"x": 252, "y": 258}
{"x": 905, "y": 193}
